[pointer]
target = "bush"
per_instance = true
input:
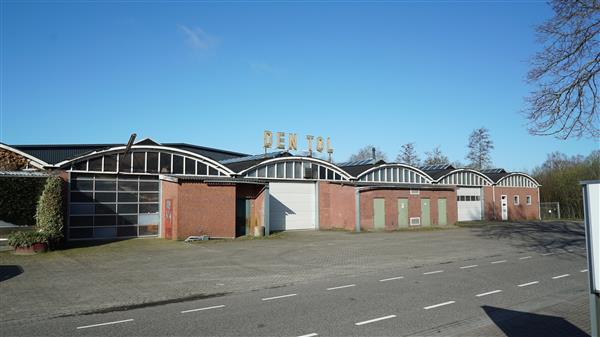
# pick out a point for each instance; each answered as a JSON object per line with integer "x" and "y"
{"x": 26, "y": 238}
{"x": 19, "y": 197}
{"x": 49, "y": 214}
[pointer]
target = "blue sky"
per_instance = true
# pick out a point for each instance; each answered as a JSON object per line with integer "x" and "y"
{"x": 218, "y": 74}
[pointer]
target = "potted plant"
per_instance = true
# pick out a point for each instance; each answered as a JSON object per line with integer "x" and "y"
{"x": 28, "y": 242}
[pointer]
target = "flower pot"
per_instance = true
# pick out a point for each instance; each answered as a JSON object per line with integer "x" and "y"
{"x": 33, "y": 249}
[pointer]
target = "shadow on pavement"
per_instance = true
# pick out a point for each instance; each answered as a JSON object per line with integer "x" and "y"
{"x": 542, "y": 236}
{"x": 9, "y": 271}
{"x": 523, "y": 324}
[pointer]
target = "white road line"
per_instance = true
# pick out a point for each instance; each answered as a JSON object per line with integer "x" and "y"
{"x": 439, "y": 305}
{"x": 342, "y": 287}
{"x": 561, "y": 276}
{"x": 276, "y": 297}
{"x": 375, "y": 320}
{"x": 202, "y": 309}
{"x": 433, "y": 272}
{"x": 391, "y": 278}
{"x": 583, "y": 271}
{"x": 471, "y": 266}
{"x": 489, "y": 293}
{"x": 501, "y": 261}
{"x": 547, "y": 254}
{"x": 528, "y": 284}
{"x": 310, "y": 335}
{"x": 107, "y": 323}
{"x": 525, "y": 258}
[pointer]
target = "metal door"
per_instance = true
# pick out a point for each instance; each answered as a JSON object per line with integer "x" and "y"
{"x": 402, "y": 212}
{"x": 442, "y": 219}
{"x": 425, "y": 212}
{"x": 379, "y": 213}
{"x": 504, "y": 204}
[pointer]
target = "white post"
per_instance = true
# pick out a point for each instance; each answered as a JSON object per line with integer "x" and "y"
{"x": 591, "y": 211}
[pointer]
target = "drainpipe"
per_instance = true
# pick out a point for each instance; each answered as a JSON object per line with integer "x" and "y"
{"x": 266, "y": 211}
{"x": 494, "y": 200}
{"x": 357, "y": 206}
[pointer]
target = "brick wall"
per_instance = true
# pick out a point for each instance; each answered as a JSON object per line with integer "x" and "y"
{"x": 336, "y": 206}
{"x": 414, "y": 206}
{"x": 521, "y": 211}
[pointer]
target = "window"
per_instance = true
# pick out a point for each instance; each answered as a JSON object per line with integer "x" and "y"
{"x": 415, "y": 192}
{"x": 528, "y": 198}
{"x": 516, "y": 199}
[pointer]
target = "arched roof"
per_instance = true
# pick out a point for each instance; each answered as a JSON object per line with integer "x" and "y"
{"x": 483, "y": 176}
{"x": 321, "y": 162}
{"x": 416, "y": 171}
{"x": 507, "y": 177}
{"x": 32, "y": 160}
{"x": 151, "y": 148}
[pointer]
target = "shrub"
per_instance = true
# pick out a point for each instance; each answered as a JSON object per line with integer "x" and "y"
{"x": 19, "y": 197}
{"x": 49, "y": 214}
{"x": 26, "y": 238}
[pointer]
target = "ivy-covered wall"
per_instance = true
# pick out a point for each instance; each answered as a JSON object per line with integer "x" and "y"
{"x": 18, "y": 199}
{"x": 10, "y": 161}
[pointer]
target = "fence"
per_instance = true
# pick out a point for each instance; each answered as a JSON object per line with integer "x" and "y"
{"x": 550, "y": 210}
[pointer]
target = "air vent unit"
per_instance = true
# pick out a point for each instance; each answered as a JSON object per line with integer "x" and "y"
{"x": 415, "y": 221}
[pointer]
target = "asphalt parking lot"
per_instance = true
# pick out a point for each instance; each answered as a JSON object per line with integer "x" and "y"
{"x": 336, "y": 279}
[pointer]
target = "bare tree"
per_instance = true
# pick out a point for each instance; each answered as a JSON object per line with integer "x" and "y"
{"x": 480, "y": 146}
{"x": 436, "y": 157}
{"x": 367, "y": 153}
{"x": 564, "y": 102}
{"x": 408, "y": 155}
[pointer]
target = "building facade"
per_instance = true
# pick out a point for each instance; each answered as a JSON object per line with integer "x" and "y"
{"x": 177, "y": 190}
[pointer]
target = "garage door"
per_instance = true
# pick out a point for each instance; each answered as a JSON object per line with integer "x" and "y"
{"x": 292, "y": 206}
{"x": 469, "y": 203}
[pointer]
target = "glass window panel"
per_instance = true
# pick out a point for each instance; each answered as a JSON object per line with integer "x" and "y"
{"x": 125, "y": 163}
{"x": 81, "y": 209}
{"x": 212, "y": 171}
{"x": 149, "y": 219}
{"x": 105, "y": 232}
{"x": 280, "y": 168}
{"x": 251, "y": 174}
{"x": 105, "y": 220}
{"x": 337, "y": 177}
{"x": 148, "y": 208}
{"x": 127, "y": 208}
{"x": 110, "y": 163}
{"x": 165, "y": 163}
{"x": 127, "y": 231}
{"x": 152, "y": 162}
{"x": 201, "y": 167}
{"x": 95, "y": 164}
{"x": 139, "y": 162}
{"x": 106, "y": 208}
{"x": 148, "y": 197}
{"x": 271, "y": 171}
{"x": 80, "y": 233}
{"x": 330, "y": 174}
{"x": 103, "y": 185}
{"x": 105, "y": 196}
{"x": 128, "y": 185}
{"x": 322, "y": 173}
{"x": 81, "y": 221}
{"x": 148, "y": 230}
{"x": 82, "y": 197}
{"x": 149, "y": 186}
{"x": 128, "y": 197}
{"x": 127, "y": 220}
{"x": 289, "y": 170}
{"x": 298, "y": 170}
{"x": 261, "y": 172}
{"x": 80, "y": 166}
{"x": 190, "y": 166}
{"x": 177, "y": 164}
{"x": 82, "y": 185}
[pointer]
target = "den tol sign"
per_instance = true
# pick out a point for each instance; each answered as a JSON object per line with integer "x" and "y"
{"x": 292, "y": 142}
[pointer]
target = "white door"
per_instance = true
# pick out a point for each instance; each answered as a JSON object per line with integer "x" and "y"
{"x": 292, "y": 206}
{"x": 504, "y": 204}
{"x": 469, "y": 203}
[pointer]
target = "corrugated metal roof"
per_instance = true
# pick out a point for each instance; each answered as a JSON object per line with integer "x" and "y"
{"x": 26, "y": 174}
{"x": 436, "y": 167}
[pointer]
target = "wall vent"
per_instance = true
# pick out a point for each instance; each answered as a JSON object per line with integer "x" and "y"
{"x": 415, "y": 192}
{"x": 415, "y": 221}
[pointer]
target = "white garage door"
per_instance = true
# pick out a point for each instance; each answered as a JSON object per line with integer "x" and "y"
{"x": 469, "y": 203}
{"x": 292, "y": 206}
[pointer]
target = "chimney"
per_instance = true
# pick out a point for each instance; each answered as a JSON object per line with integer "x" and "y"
{"x": 373, "y": 153}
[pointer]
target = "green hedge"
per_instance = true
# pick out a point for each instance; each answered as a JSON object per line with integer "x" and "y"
{"x": 18, "y": 199}
{"x": 49, "y": 215}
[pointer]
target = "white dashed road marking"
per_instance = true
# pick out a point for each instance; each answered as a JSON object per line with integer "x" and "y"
{"x": 375, "y": 320}
{"x": 547, "y": 254}
{"x": 525, "y": 258}
{"x": 471, "y": 266}
{"x": 561, "y": 276}
{"x": 391, "y": 278}
{"x": 501, "y": 261}
{"x": 102, "y": 324}
{"x": 310, "y": 335}
{"x": 433, "y": 272}
{"x": 277, "y": 297}
{"x": 202, "y": 309}
{"x": 439, "y": 305}
{"x": 489, "y": 293}
{"x": 528, "y": 284}
{"x": 342, "y": 287}
{"x": 583, "y": 271}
